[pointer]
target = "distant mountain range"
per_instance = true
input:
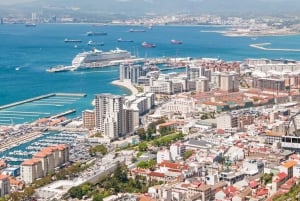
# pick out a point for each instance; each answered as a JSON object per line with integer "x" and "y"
{"x": 154, "y": 7}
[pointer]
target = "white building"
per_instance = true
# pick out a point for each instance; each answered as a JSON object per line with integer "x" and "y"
{"x": 110, "y": 115}
{"x": 4, "y": 185}
{"x": 177, "y": 150}
{"x": 163, "y": 155}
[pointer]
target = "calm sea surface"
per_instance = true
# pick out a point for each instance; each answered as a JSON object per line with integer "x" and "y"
{"x": 26, "y": 52}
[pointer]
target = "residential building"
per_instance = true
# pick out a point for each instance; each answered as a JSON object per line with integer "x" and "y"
{"x": 110, "y": 115}
{"x": 88, "y": 118}
{"x": 177, "y": 150}
{"x": 4, "y": 185}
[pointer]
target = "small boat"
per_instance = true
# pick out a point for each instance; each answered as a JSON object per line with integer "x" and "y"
{"x": 123, "y": 40}
{"x": 92, "y": 43}
{"x": 30, "y": 25}
{"x": 176, "y": 42}
{"x": 60, "y": 68}
{"x": 72, "y": 40}
{"x": 148, "y": 45}
{"x": 136, "y": 30}
{"x": 90, "y": 33}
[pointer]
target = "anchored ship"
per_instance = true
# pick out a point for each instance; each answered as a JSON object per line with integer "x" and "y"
{"x": 94, "y": 58}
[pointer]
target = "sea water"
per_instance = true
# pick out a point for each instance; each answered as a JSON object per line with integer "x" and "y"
{"x": 26, "y": 52}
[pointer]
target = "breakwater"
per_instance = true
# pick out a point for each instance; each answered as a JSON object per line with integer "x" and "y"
{"x": 41, "y": 97}
{"x": 261, "y": 46}
{"x": 26, "y": 101}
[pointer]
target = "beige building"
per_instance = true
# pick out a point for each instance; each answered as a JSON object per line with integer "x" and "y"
{"x": 44, "y": 162}
{"x": 88, "y": 118}
{"x": 31, "y": 169}
{"x": 229, "y": 81}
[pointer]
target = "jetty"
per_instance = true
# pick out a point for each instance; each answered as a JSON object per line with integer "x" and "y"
{"x": 71, "y": 94}
{"x": 63, "y": 114}
{"x": 261, "y": 46}
{"x": 26, "y": 101}
{"x": 41, "y": 97}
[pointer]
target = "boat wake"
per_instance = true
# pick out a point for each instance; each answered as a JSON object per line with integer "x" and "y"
{"x": 97, "y": 71}
{"x": 261, "y": 46}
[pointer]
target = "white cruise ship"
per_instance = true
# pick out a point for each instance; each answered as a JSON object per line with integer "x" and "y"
{"x": 98, "y": 58}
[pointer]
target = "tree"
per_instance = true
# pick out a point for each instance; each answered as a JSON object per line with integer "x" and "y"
{"x": 98, "y": 149}
{"x": 120, "y": 173}
{"x": 187, "y": 154}
{"x": 143, "y": 147}
{"x": 76, "y": 192}
{"x": 98, "y": 197}
{"x": 141, "y": 133}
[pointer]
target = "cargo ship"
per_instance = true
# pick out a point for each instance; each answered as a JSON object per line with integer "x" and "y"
{"x": 90, "y": 33}
{"x": 72, "y": 40}
{"x": 148, "y": 45}
{"x": 176, "y": 42}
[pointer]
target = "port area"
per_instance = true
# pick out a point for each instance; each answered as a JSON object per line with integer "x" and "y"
{"x": 43, "y": 106}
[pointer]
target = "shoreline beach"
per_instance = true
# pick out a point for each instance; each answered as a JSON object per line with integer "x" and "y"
{"x": 126, "y": 84}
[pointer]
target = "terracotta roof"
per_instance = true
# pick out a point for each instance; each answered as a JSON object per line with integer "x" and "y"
{"x": 280, "y": 176}
{"x": 156, "y": 174}
{"x": 289, "y": 164}
{"x": 253, "y": 184}
{"x": 262, "y": 191}
{"x": 173, "y": 165}
{"x": 3, "y": 177}
{"x": 31, "y": 162}
{"x": 146, "y": 198}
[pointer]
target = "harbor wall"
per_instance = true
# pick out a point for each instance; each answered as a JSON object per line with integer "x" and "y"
{"x": 26, "y": 101}
{"x": 41, "y": 97}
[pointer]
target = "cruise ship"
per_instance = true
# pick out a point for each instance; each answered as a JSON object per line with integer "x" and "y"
{"x": 98, "y": 58}
{"x": 95, "y": 58}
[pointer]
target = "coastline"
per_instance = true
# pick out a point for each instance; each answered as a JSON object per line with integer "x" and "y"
{"x": 261, "y": 46}
{"x": 126, "y": 84}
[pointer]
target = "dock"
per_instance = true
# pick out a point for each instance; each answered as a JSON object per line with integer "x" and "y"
{"x": 63, "y": 114}
{"x": 26, "y": 101}
{"x": 41, "y": 97}
{"x": 71, "y": 94}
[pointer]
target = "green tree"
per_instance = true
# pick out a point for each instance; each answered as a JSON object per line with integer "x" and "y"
{"x": 98, "y": 197}
{"x": 98, "y": 149}
{"x": 143, "y": 147}
{"x": 187, "y": 154}
{"x": 76, "y": 192}
{"x": 120, "y": 173}
{"x": 141, "y": 133}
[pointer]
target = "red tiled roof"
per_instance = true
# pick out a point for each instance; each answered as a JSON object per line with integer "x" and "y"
{"x": 3, "y": 177}
{"x": 253, "y": 184}
{"x": 156, "y": 174}
{"x": 262, "y": 191}
{"x": 173, "y": 165}
{"x": 280, "y": 176}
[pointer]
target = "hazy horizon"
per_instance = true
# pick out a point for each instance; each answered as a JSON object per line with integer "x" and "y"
{"x": 156, "y": 7}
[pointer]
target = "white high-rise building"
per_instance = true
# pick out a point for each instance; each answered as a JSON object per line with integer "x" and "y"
{"x": 4, "y": 185}
{"x": 110, "y": 115}
{"x": 177, "y": 150}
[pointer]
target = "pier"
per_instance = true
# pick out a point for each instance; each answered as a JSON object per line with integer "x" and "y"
{"x": 26, "y": 101}
{"x": 38, "y": 107}
{"x": 63, "y": 114}
{"x": 71, "y": 94}
{"x": 41, "y": 97}
{"x": 172, "y": 68}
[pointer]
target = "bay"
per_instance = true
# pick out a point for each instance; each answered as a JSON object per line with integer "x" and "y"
{"x": 26, "y": 52}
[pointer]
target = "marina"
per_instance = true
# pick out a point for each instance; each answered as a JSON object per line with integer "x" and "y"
{"x": 26, "y": 149}
{"x": 53, "y": 105}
